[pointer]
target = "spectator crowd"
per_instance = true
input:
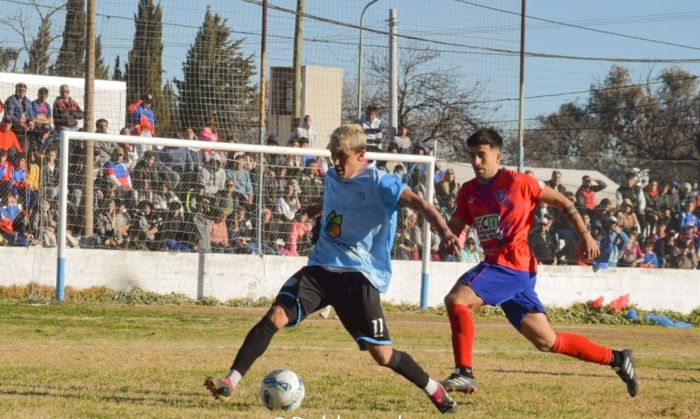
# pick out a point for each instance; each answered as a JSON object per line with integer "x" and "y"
{"x": 192, "y": 199}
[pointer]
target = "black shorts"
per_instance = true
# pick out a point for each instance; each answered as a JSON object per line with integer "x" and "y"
{"x": 354, "y": 298}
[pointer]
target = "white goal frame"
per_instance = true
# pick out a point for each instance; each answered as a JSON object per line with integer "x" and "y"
{"x": 68, "y": 136}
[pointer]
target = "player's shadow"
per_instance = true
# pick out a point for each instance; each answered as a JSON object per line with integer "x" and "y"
{"x": 148, "y": 398}
{"x": 574, "y": 374}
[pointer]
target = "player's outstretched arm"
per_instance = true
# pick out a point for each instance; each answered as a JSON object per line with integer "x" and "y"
{"x": 449, "y": 241}
{"x": 590, "y": 247}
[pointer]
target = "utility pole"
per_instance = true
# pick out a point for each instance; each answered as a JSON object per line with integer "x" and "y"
{"x": 521, "y": 98}
{"x": 298, "y": 49}
{"x": 89, "y": 121}
{"x": 394, "y": 76}
{"x": 263, "y": 123}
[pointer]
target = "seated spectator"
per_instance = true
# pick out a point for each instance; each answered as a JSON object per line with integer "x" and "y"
{"x": 177, "y": 233}
{"x": 684, "y": 254}
{"x": 178, "y": 159}
{"x": 147, "y": 226}
{"x": 41, "y": 108}
{"x": 66, "y": 111}
{"x": 447, "y": 189}
{"x": 44, "y": 223}
{"x": 241, "y": 176}
{"x": 19, "y": 178}
{"x": 50, "y": 174}
{"x": 150, "y": 170}
{"x": 618, "y": 242}
{"x": 448, "y": 209}
{"x": 115, "y": 171}
{"x": 403, "y": 141}
{"x": 299, "y": 238}
{"x": 632, "y": 254}
{"x": 585, "y": 195}
{"x": 649, "y": 259}
{"x": 228, "y": 200}
{"x": 6, "y": 172}
{"x": 105, "y": 148}
{"x": 213, "y": 176}
{"x": 241, "y": 232}
{"x": 400, "y": 172}
{"x": 470, "y": 252}
{"x": 8, "y": 139}
{"x": 627, "y": 218}
{"x": 304, "y": 143}
{"x": 288, "y": 204}
{"x": 164, "y": 197}
{"x": 688, "y": 216}
{"x": 112, "y": 224}
{"x": 210, "y": 133}
{"x": 19, "y": 108}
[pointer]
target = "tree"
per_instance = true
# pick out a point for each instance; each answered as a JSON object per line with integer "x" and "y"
{"x": 39, "y": 54}
{"x": 117, "y": 74}
{"x": 144, "y": 70}
{"x": 624, "y": 124}
{"x": 101, "y": 69}
{"x": 431, "y": 101}
{"x": 8, "y": 59}
{"x": 71, "y": 56}
{"x": 216, "y": 82}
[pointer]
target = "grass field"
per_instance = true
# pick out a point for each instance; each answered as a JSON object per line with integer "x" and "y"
{"x": 89, "y": 360}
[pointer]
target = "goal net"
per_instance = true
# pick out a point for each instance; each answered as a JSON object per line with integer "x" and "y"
{"x": 158, "y": 194}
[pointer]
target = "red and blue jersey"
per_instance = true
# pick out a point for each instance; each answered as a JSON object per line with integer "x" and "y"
{"x": 502, "y": 212}
{"x": 119, "y": 171}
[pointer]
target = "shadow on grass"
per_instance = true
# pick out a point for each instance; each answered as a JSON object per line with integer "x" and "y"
{"x": 572, "y": 374}
{"x": 180, "y": 400}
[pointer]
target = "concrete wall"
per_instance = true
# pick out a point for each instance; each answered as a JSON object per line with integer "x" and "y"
{"x": 243, "y": 276}
{"x": 110, "y": 96}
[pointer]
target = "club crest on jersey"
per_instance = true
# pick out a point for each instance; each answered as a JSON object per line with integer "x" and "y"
{"x": 334, "y": 222}
{"x": 501, "y": 195}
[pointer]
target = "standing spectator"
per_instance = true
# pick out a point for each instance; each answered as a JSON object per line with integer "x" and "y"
{"x": 630, "y": 190}
{"x": 403, "y": 141}
{"x": 105, "y": 148}
{"x": 19, "y": 108}
{"x": 213, "y": 176}
{"x": 470, "y": 252}
{"x": 305, "y": 131}
{"x": 632, "y": 253}
{"x": 416, "y": 173}
{"x": 50, "y": 174}
{"x": 142, "y": 117}
{"x": 585, "y": 195}
{"x": 219, "y": 232}
{"x": 288, "y": 204}
{"x": 41, "y": 108}
{"x": 543, "y": 243}
{"x": 211, "y": 134}
{"x": 555, "y": 182}
{"x": 66, "y": 111}
{"x": 8, "y": 138}
{"x": 373, "y": 128}
{"x": 6, "y": 171}
{"x": 112, "y": 224}
{"x": 44, "y": 223}
{"x": 228, "y": 200}
{"x": 115, "y": 171}
{"x": 683, "y": 254}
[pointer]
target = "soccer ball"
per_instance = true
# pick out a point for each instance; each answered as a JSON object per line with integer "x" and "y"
{"x": 282, "y": 390}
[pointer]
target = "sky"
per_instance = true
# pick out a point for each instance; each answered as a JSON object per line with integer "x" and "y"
{"x": 470, "y": 36}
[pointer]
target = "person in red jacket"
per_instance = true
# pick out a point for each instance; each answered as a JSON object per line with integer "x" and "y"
{"x": 585, "y": 195}
{"x": 8, "y": 139}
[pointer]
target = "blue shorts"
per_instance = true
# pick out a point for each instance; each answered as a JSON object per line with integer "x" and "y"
{"x": 513, "y": 290}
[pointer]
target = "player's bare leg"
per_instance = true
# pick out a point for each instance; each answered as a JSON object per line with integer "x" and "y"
{"x": 537, "y": 329}
{"x": 403, "y": 364}
{"x": 460, "y": 302}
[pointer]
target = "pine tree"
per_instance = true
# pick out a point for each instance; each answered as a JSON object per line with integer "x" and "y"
{"x": 39, "y": 50}
{"x": 143, "y": 72}
{"x": 71, "y": 56}
{"x": 101, "y": 69}
{"x": 117, "y": 74}
{"x": 216, "y": 81}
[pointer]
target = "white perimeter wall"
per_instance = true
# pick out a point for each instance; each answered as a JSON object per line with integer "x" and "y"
{"x": 243, "y": 276}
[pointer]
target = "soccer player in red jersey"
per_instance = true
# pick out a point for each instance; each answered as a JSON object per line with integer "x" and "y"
{"x": 500, "y": 203}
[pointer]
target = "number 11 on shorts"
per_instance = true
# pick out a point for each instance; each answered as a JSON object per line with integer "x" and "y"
{"x": 378, "y": 326}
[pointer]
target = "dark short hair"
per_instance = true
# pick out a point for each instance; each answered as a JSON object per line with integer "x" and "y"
{"x": 371, "y": 108}
{"x": 485, "y": 136}
{"x": 43, "y": 91}
{"x": 100, "y": 121}
{"x": 20, "y": 86}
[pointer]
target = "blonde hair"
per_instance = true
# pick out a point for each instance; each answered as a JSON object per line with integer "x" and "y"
{"x": 348, "y": 137}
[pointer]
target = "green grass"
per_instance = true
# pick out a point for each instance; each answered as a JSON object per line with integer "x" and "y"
{"x": 133, "y": 361}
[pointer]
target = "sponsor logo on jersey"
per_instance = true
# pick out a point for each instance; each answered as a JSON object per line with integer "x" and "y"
{"x": 334, "y": 222}
{"x": 487, "y": 227}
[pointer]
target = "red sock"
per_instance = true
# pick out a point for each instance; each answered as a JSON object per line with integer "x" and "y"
{"x": 582, "y": 348}
{"x": 462, "y": 325}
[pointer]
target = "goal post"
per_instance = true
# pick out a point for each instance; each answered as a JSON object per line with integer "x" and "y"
{"x": 265, "y": 162}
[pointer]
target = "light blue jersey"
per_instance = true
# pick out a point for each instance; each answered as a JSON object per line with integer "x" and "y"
{"x": 358, "y": 224}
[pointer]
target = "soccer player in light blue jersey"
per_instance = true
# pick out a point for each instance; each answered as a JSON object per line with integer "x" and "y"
{"x": 349, "y": 267}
